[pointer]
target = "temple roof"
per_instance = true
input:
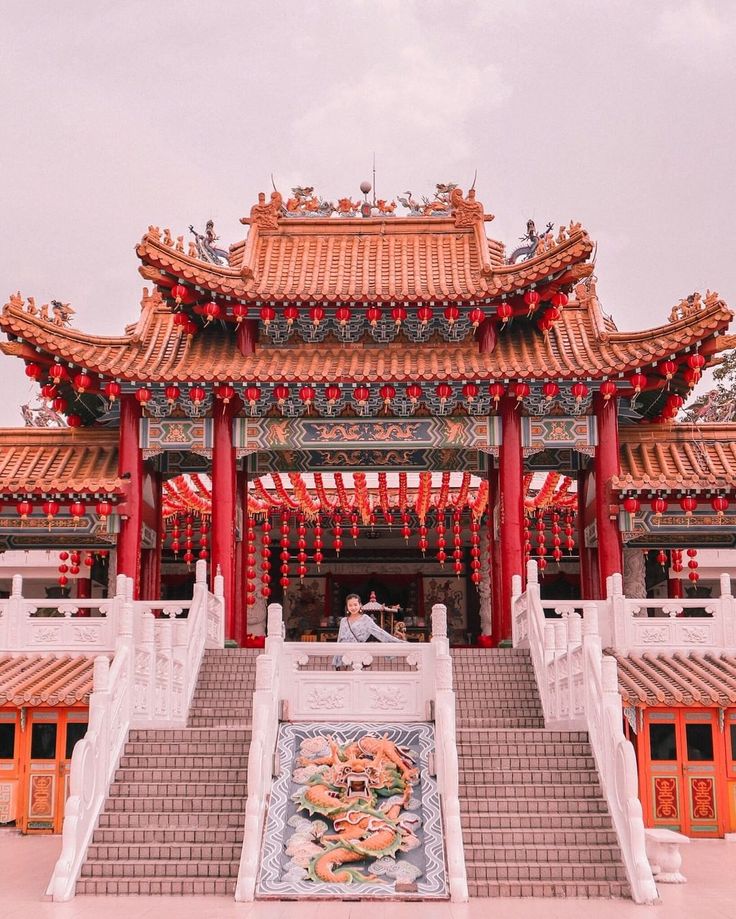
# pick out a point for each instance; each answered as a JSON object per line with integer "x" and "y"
{"x": 677, "y": 456}
{"x": 368, "y": 260}
{"x": 45, "y": 680}
{"x": 59, "y": 459}
{"x": 667, "y": 679}
{"x": 580, "y": 345}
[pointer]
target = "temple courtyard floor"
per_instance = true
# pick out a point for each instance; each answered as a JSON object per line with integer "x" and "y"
{"x": 26, "y": 863}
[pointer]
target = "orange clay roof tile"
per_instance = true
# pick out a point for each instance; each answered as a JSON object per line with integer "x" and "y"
{"x": 667, "y": 679}
{"x": 155, "y": 350}
{"x": 45, "y": 680}
{"x": 408, "y": 259}
{"x": 59, "y": 459}
{"x": 677, "y": 456}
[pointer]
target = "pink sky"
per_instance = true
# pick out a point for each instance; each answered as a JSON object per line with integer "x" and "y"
{"x": 120, "y": 114}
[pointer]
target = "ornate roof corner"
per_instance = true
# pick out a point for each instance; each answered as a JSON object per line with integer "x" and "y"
{"x": 695, "y": 303}
{"x": 264, "y": 214}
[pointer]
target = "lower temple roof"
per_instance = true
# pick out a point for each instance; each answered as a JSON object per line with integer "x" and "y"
{"x": 669, "y": 679}
{"x": 45, "y": 679}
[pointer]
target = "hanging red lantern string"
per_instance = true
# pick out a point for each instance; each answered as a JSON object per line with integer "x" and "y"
{"x": 264, "y": 495}
{"x": 266, "y": 557}
{"x": 444, "y": 493}
{"x": 527, "y": 538}
{"x": 475, "y": 550}
{"x": 284, "y": 497}
{"x": 461, "y": 498}
{"x": 569, "y": 537}
{"x": 324, "y": 502}
{"x": 405, "y": 527}
{"x": 677, "y": 560}
{"x": 303, "y": 499}
{"x": 457, "y": 552}
{"x": 541, "y": 535}
{"x": 424, "y": 494}
{"x": 343, "y": 500}
{"x": 337, "y": 533}
{"x": 203, "y": 537}
{"x": 89, "y": 560}
{"x": 478, "y": 506}
{"x": 112, "y": 390}
{"x": 556, "y": 538}
{"x": 175, "y": 534}
{"x": 693, "y": 565}
{"x": 318, "y": 556}
{"x": 662, "y": 558}
{"x": 696, "y": 362}
{"x": 332, "y": 393}
{"x": 354, "y": 529}
{"x": 251, "y": 572}
{"x": 285, "y": 549}
{"x": 362, "y": 498}
{"x": 301, "y": 546}
{"x": 441, "y": 542}
{"x": 383, "y": 499}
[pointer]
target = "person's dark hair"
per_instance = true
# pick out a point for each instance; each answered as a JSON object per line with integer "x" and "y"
{"x": 350, "y": 597}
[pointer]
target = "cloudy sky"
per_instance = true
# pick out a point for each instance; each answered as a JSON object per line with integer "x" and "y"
{"x": 121, "y": 113}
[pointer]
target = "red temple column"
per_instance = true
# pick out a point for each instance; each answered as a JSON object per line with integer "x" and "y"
{"x": 223, "y": 508}
{"x": 586, "y": 586}
{"x": 151, "y": 558}
{"x": 607, "y": 465}
{"x": 241, "y": 607}
{"x": 84, "y": 588}
{"x": 130, "y": 470}
{"x": 246, "y": 336}
{"x": 511, "y": 510}
{"x": 493, "y": 555}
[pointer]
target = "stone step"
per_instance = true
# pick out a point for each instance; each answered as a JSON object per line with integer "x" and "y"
{"x": 181, "y": 748}
{"x": 522, "y": 735}
{"x": 213, "y": 722}
{"x": 178, "y": 789}
{"x": 532, "y": 750}
{"x": 168, "y": 805}
{"x": 525, "y": 722}
{"x": 154, "y": 821}
{"x": 473, "y": 804}
{"x": 534, "y": 821}
{"x": 152, "y": 851}
{"x": 566, "y": 889}
{"x": 188, "y": 761}
{"x": 531, "y": 792}
{"x": 168, "y": 835}
{"x": 152, "y": 776}
{"x": 551, "y": 852}
{"x": 186, "y": 735}
{"x": 482, "y": 835}
{"x": 529, "y": 778}
{"x": 161, "y": 869}
{"x": 468, "y": 760}
{"x": 544, "y": 871}
{"x": 135, "y": 886}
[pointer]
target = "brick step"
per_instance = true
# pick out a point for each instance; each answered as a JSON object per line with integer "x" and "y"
{"x": 133, "y": 886}
{"x": 169, "y": 805}
{"x": 186, "y": 735}
{"x": 196, "y": 722}
{"x": 210, "y": 707}
{"x": 532, "y": 750}
{"x": 544, "y": 871}
{"x": 181, "y": 749}
{"x": 151, "y": 776}
{"x": 475, "y": 690}
{"x": 522, "y": 722}
{"x": 528, "y": 778}
{"x": 154, "y": 821}
{"x": 535, "y": 821}
{"x": 468, "y": 760}
{"x": 166, "y": 852}
{"x": 166, "y": 835}
{"x": 522, "y": 736}
{"x": 531, "y": 806}
{"x": 133, "y": 868}
{"x": 552, "y": 853}
{"x": 567, "y": 889}
{"x": 178, "y": 789}
{"x": 187, "y": 761}
{"x": 524, "y": 837}
{"x": 531, "y": 792}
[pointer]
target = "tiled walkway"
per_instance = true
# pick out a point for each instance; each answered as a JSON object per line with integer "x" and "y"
{"x": 26, "y": 863}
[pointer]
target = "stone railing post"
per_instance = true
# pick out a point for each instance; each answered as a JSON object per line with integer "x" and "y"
{"x": 728, "y": 612}
{"x": 439, "y": 629}
{"x": 618, "y": 630}
{"x": 275, "y": 629}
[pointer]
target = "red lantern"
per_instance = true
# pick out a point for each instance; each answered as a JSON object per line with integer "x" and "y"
{"x": 579, "y": 391}
{"x": 25, "y": 509}
{"x": 675, "y": 401}
{"x": 103, "y": 509}
{"x": 333, "y": 393}
{"x": 212, "y": 311}
{"x": 608, "y": 389}
{"x": 414, "y": 392}
{"x": 696, "y": 361}
{"x": 59, "y": 404}
{"x": 387, "y": 392}
{"x": 638, "y": 381}
{"x": 531, "y": 298}
{"x": 496, "y": 391}
{"x": 691, "y": 376}
{"x": 470, "y": 391}
{"x": 316, "y": 314}
{"x": 659, "y": 506}
{"x": 452, "y": 314}
{"x": 172, "y": 393}
{"x": 504, "y": 312}
{"x": 197, "y": 395}
{"x": 281, "y": 393}
{"x": 74, "y": 420}
{"x": 58, "y": 373}
{"x": 719, "y": 504}
{"x": 632, "y": 505}
{"x": 180, "y": 319}
{"x": 225, "y": 392}
{"x": 143, "y": 395}
{"x": 291, "y": 314}
{"x": 398, "y": 314}
{"x": 424, "y": 314}
{"x": 476, "y": 316}
{"x": 668, "y": 369}
{"x": 82, "y": 382}
{"x": 692, "y": 553}
{"x": 343, "y": 314}
{"x": 112, "y": 390}
{"x": 662, "y": 558}
{"x": 307, "y": 395}
{"x": 550, "y": 390}
{"x": 76, "y": 509}
{"x": 34, "y": 371}
{"x": 182, "y": 294}
{"x": 50, "y": 509}
{"x": 240, "y": 311}
{"x": 519, "y": 390}
{"x": 268, "y": 314}
{"x": 63, "y": 556}
{"x": 444, "y": 391}
{"x": 559, "y": 299}
{"x": 361, "y": 394}
{"x": 63, "y": 580}
{"x": 49, "y": 391}
{"x": 373, "y": 315}
{"x": 252, "y": 394}
{"x": 688, "y": 504}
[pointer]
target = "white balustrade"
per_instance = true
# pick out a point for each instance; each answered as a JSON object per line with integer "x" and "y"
{"x": 149, "y": 684}
{"x": 578, "y": 686}
{"x": 297, "y": 682}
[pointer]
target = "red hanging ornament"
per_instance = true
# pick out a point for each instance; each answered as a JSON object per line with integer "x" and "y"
{"x": 25, "y": 509}
{"x": 667, "y": 369}
{"x": 361, "y": 394}
{"x": 607, "y": 389}
{"x": 197, "y": 395}
{"x": 559, "y": 299}
{"x": 291, "y": 314}
{"x": 183, "y": 294}
{"x": 451, "y": 314}
{"x": 470, "y": 391}
{"x": 59, "y": 404}
{"x": 520, "y": 391}
{"x": 638, "y": 382}
{"x": 212, "y": 311}
{"x": 688, "y": 504}
{"x": 662, "y": 558}
{"x": 632, "y": 505}
{"x": 398, "y": 314}
{"x": 77, "y": 509}
{"x": 172, "y": 393}
{"x": 332, "y": 392}
{"x": 659, "y": 506}
{"x": 387, "y": 392}
{"x": 34, "y": 371}
{"x": 719, "y": 505}
{"x": 267, "y": 315}
{"x": 252, "y": 395}
{"x": 531, "y": 298}
{"x": 476, "y": 316}
{"x": 444, "y": 392}
{"x": 696, "y": 361}
{"x": 373, "y": 315}
{"x": 240, "y": 311}
{"x": 316, "y": 315}
{"x": 504, "y": 312}
{"x": 143, "y": 396}
{"x": 343, "y": 314}
{"x": 112, "y": 390}
{"x": 74, "y": 420}
{"x": 414, "y": 392}
{"x": 550, "y": 390}
{"x": 82, "y": 382}
{"x": 496, "y": 391}
{"x": 103, "y": 510}
{"x": 424, "y": 314}
{"x": 579, "y": 391}
{"x": 58, "y": 373}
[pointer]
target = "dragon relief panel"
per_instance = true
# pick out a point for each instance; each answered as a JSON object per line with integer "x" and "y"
{"x": 355, "y": 813}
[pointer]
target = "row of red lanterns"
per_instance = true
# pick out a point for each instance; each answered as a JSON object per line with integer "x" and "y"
{"x": 688, "y": 504}
{"x": 51, "y": 508}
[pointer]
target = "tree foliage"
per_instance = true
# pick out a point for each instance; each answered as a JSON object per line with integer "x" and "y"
{"x": 718, "y": 404}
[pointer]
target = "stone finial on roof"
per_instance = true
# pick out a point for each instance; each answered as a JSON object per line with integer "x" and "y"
{"x": 467, "y": 211}
{"x": 263, "y": 214}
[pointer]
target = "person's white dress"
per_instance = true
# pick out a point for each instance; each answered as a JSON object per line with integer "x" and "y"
{"x": 360, "y": 630}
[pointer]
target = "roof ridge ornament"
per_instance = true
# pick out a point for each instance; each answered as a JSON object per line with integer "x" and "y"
{"x": 266, "y": 215}
{"x": 467, "y": 211}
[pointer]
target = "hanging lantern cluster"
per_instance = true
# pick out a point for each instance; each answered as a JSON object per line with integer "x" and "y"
{"x": 284, "y": 556}
{"x": 204, "y": 529}
{"x": 441, "y": 541}
{"x": 569, "y": 537}
{"x": 63, "y": 580}
{"x": 527, "y": 539}
{"x": 688, "y": 504}
{"x": 251, "y": 572}
{"x": 676, "y": 555}
{"x": 457, "y": 552}
{"x": 317, "y": 542}
{"x": 189, "y": 539}
{"x": 541, "y": 542}
{"x": 720, "y": 505}
{"x": 556, "y": 538}
{"x": 662, "y": 558}
{"x": 692, "y": 564}
{"x": 266, "y": 557}
{"x": 301, "y": 546}
{"x": 475, "y": 550}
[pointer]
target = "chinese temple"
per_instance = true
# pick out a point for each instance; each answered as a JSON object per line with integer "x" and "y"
{"x": 352, "y": 399}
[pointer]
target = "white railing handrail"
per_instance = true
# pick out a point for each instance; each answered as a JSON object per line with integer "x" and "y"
{"x": 150, "y": 684}
{"x": 278, "y": 677}
{"x": 588, "y": 696}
